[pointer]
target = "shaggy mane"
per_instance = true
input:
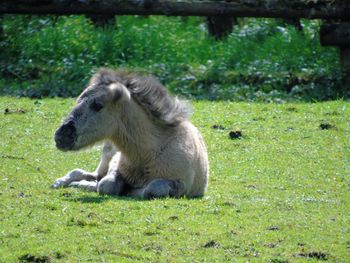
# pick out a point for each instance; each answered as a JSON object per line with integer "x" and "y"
{"x": 149, "y": 93}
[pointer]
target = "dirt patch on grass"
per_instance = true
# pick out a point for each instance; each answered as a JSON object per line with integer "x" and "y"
{"x": 11, "y": 111}
{"x": 23, "y": 195}
{"x": 319, "y": 255}
{"x": 212, "y": 244}
{"x": 259, "y": 119}
{"x": 235, "y": 134}
{"x": 273, "y": 245}
{"x": 11, "y": 157}
{"x": 273, "y": 228}
{"x": 327, "y": 126}
{"x": 34, "y": 258}
{"x": 151, "y": 233}
{"x": 218, "y": 127}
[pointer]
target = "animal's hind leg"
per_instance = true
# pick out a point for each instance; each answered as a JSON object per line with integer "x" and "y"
{"x": 164, "y": 188}
{"x": 87, "y": 180}
{"x": 112, "y": 184}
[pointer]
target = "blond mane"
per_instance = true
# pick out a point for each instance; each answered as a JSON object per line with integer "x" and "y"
{"x": 150, "y": 94}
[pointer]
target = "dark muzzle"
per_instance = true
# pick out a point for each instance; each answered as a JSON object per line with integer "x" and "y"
{"x": 66, "y": 136}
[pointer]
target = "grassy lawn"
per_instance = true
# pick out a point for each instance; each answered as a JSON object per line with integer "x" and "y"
{"x": 280, "y": 193}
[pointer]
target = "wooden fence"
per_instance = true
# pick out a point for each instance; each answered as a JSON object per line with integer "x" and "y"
{"x": 335, "y": 13}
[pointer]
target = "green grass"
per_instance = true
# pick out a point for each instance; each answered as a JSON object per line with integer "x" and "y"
{"x": 278, "y": 194}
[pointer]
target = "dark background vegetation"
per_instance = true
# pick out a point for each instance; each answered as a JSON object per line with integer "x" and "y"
{"x": 261, "y": 60}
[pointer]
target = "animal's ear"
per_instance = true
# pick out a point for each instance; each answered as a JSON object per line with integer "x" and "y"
{"x": 119, "y": 92}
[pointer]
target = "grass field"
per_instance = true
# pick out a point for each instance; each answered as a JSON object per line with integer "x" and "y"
{"x": 280, "y": 193}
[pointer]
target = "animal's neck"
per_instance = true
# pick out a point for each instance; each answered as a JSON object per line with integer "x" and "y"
{"x": 136, "y": 134}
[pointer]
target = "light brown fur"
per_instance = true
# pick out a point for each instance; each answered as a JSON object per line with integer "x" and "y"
{"x": 151, "y": 149}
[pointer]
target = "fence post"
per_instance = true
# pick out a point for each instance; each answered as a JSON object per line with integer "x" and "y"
{"x": 1, "y": 29}
{"x": 102, "y": 20}
{"x": 220, "y": 26}
{"x": 338, "y": 34}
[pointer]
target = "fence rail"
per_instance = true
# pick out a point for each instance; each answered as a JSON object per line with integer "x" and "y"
{"x": 311, "y": 9}
{"x": 335, "y": 32}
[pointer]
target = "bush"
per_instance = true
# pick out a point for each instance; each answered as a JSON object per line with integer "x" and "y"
{"x": 260, "y": 60}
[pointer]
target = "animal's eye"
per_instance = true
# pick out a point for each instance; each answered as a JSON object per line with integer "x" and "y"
{"x": 96, "y": 106}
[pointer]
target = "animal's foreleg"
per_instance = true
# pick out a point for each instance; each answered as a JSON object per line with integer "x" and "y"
{"x": 108, "y": 152}
{"x": 104, "y": 177}
{"x": 85, "y": 185}
{"x": 112, "y": 183}
{"x": 74, "y": 176}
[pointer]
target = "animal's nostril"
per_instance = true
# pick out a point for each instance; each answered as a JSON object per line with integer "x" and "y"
{"x": 68, "y": 128}
{"x": 66, "y": 135}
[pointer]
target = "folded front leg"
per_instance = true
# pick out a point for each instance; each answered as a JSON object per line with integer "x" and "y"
{"x": 74, "y": 176}
{"x": 90, "y": 186}
{"x": 109, "y": 161}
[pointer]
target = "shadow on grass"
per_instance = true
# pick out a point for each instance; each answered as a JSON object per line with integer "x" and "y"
{"x": 104, "y": 198}
{"x": 101, "y": 199}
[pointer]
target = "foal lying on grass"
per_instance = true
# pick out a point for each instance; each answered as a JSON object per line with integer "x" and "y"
{"x": 151, "y": 150}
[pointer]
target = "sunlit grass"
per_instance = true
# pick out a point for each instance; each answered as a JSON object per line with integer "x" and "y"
{"x": 280, "y": 193}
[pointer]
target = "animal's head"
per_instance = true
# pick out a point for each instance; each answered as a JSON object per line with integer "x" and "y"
{"x": 93, "y": 118}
